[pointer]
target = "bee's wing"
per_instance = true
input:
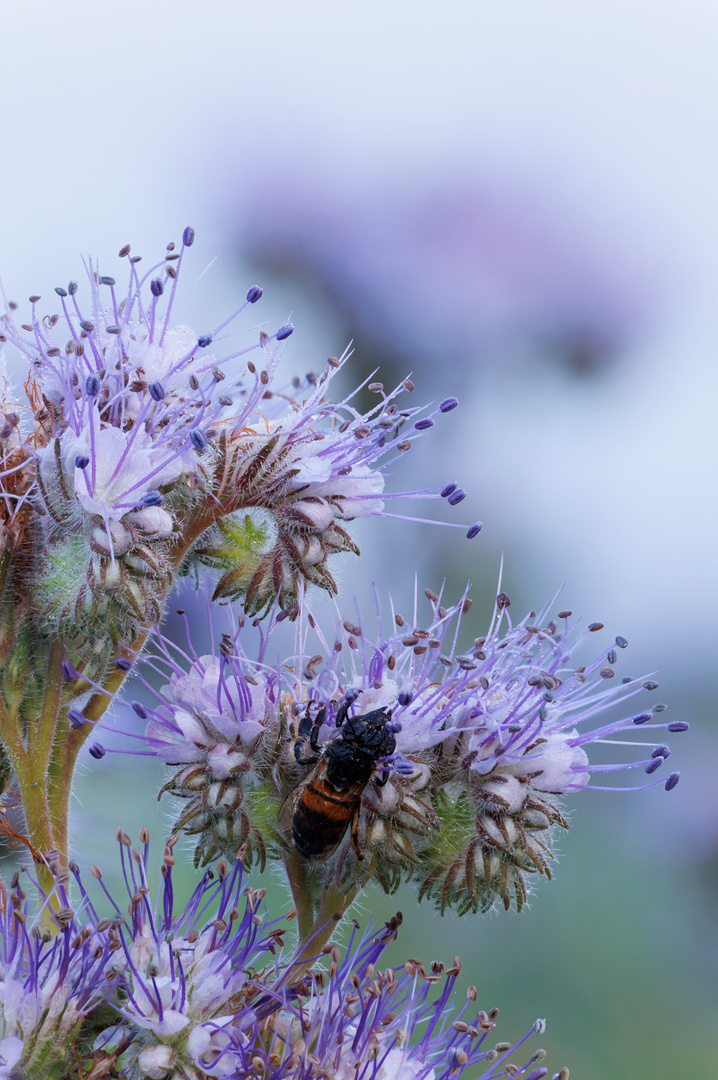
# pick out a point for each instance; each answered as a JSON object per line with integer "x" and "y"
{"x": 289, "y": 805}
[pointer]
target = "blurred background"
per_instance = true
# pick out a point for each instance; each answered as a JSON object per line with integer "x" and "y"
{"x": 517, "y": 203}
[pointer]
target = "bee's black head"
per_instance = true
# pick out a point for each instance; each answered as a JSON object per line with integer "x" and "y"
{"x": 352, "y": 754}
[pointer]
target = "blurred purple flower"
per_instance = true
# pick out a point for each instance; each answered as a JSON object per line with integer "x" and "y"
{"x": 467, "y": 272}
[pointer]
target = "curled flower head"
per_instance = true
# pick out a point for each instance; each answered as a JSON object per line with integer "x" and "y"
{"x": 306, "y": 473}
{"x": 485, "y": 744}
{"x": 148, "y": 447}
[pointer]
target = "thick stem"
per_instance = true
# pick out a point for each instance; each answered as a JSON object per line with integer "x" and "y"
{"x": 301, "y": 893}
{"x": 334, "y": 905}
{"x": 41, "y": 735}
{"x": 32, "y": 780}
{"x": 69, "y": 741}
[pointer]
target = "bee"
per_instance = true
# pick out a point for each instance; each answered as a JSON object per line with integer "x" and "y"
{"x": 328, "y": 801}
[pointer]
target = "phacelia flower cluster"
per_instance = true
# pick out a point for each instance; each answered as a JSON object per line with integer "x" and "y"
{"x": 145, "y": 448}
{"x": 355, "y": 1019}
{"x": 184, "y": 978}
{"x": 488, "y": 741}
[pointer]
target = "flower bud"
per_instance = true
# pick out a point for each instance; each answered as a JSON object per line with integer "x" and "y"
{"x": 156, "y": 1061}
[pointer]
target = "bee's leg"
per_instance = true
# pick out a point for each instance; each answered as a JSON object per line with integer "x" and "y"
{"x": 306, "y": 744}
{"x": 354, "y": 836}
{"x": 316, "y": 726}
{"x": 342, "y": 712}
{"x": 381, "y": 781}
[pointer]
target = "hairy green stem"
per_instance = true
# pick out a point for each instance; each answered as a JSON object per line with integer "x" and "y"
{"x": 334, "y": 905}
{"x": 301, "y": 893}
{"x": 318, "y": 916}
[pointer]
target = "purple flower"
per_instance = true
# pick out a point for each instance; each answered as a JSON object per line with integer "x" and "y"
{"x": 305, "y": 472}
{"x": 357, "y": 1019}
{"x": 220, "y": 718}
{"x": 141, "y": 444}
{"x": 49, "y": 982}
{"x": 488, "y": 740}
{"x": 202, "y": 992}
{"x": 182, "y": 973}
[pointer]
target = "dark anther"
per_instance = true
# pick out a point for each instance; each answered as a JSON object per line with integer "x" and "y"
{"x": 187, "y": 237}
{"x": 157, "y": 391}
{"x": 76, "y": 718}
{"x": 254, "y": 294}
{"x": 284, "y": 332}
{"x": 157, "y": 287}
